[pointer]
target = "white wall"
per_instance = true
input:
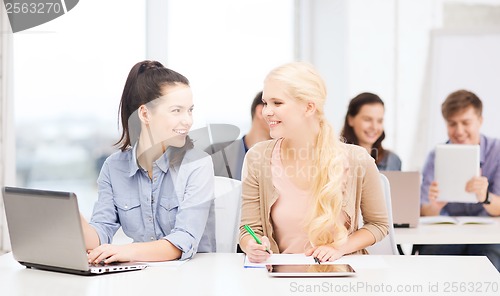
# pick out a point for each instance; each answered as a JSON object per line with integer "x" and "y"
{"x": 329, "y": 49}
{"x": 384, "y": 47}
{"x": 463, "y": 59}
{"x": 226, "y": 48}
{"x": 385, "y": 52}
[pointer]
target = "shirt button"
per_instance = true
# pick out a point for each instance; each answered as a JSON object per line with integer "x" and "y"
{"x": 152, "y": 238}
{"x": 154, "y": 179}
{"x": 126, "y": 206}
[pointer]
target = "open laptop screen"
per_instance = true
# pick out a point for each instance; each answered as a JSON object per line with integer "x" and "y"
{"x": 405, "y": 197}
{"x": 45, "y": 229}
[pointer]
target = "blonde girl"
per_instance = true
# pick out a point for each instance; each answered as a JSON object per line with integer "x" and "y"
{"x": 304, "y": 191}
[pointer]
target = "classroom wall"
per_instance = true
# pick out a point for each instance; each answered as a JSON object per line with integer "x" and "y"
{"x": 385, "y": 47}
{"x": 462, "y": 58}
{"x": 382, "y": 48}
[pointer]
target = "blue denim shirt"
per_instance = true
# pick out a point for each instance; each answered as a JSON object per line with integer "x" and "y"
{"x": 177, "y": 204}
{"x": 489, "y": 151}
{"x": 390, "y": 162}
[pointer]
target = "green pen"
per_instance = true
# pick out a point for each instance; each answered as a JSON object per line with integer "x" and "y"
{"x": 250, "y": 231}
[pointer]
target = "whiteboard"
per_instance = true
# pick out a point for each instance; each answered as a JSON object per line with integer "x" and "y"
{"x": 464, "y": 59}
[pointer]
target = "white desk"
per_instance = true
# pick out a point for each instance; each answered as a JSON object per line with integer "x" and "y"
{"x": 450, "y": 234}
{"x": 223, "y": 274}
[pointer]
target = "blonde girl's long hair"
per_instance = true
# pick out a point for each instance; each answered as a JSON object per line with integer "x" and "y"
{"x": 324, "y": 222}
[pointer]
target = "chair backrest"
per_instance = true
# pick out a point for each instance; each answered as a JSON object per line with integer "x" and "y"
{"x": 386, "y": 246}
{"x": 227, "y": 213}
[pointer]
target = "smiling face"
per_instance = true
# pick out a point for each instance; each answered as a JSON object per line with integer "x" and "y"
{"x": 170, "y": 117}
{"x": 464, "y": 127}
{"x": 368, "y": 124}
{"x": 284, "y": 115}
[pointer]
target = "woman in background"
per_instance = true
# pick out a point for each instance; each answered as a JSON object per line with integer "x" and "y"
{"x": 364, "y": 126}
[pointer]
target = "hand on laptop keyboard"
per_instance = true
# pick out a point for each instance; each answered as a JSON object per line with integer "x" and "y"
{"x": 103, "y": 264}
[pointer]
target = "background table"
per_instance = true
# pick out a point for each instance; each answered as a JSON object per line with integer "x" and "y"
{"x": 450, "y": 234}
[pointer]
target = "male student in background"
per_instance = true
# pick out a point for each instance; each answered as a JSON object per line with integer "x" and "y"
{"x": 228, "y": 157}
{"x": 462, "y": 111}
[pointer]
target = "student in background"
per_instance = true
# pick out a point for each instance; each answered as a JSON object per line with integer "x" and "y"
{"x": 364, "y": 126}
{"x": 157, "y": 187}
{"x": 228, "y": 157}
{"x": 303, "y": 190}
{"x": 462, "y": 111}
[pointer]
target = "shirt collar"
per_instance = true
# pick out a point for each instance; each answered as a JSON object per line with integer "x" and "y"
{"x": 133, "y": 165}
{"x": 162, "y": 162}
{"x": 244, "y": 144}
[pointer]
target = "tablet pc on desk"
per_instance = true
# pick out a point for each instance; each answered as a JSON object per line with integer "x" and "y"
{"x": 311, "y": 270}
{"x": 455, "y": 165}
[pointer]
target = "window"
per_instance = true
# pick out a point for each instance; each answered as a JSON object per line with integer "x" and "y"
{"x": 68, "y": 78}
{"x": 225, "y": 48}
{"x": 69, "y": 74}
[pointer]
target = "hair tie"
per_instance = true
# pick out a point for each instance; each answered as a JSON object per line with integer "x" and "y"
{"x": 142, "y": 68}
{"x": 146, "y": 65}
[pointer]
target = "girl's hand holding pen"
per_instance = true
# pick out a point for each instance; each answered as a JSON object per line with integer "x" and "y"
{"x": 255, "y": 246}
{"x": 258, "y": 253}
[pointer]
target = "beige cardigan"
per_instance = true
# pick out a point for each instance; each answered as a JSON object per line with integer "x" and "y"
{"x": 363, "y": 193}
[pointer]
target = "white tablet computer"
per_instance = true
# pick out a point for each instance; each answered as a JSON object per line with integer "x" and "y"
{"x": 311, "y": 270}
{"x": 455, "y": 165}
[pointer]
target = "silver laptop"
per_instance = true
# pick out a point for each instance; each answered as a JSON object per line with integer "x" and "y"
{"x": 405, "y": 197}
{"x": 45, "y": 232}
